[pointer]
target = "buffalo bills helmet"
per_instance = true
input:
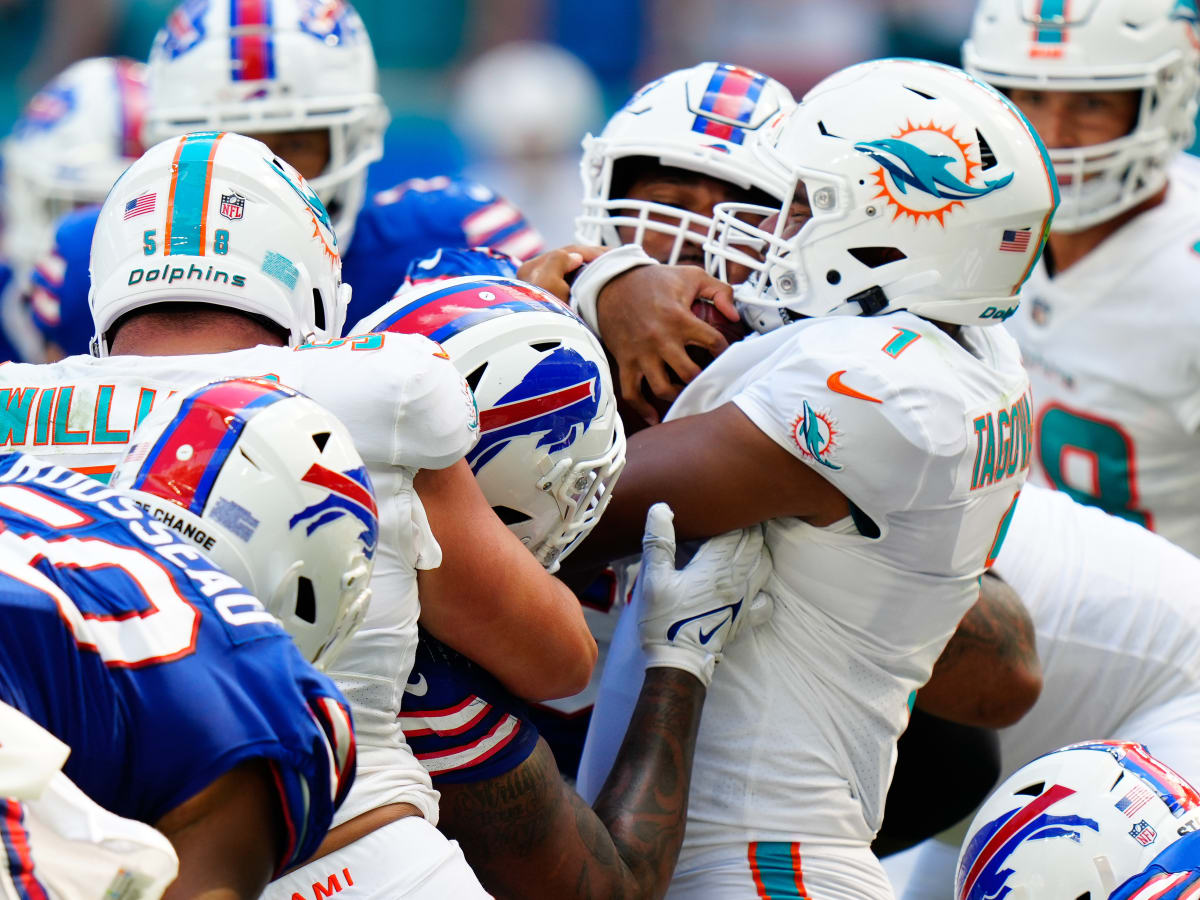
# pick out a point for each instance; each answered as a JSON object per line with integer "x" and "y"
{"x": 1149, "y": 46}
{"x": 1075, "y": 823}
{"x": 455, "y": 262}
{"x": 217, "y": 218}
{"x": 698, "y": 119}
{"x": 910, "y": 186}
{"x": 269, "y": 485}
{"x": 551, "y": 444}
{"x": 263, "y": 66}
{"x": 74, "y": 139}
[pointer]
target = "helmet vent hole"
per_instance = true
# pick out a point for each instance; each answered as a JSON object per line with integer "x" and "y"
{"x": 510, "y": 516}
{"x": 874, "y": 257}
{"x": 306, "y": 600}
{"x": 246, "y": 456}
{"x": 476, "y": 376}
{"x": 919, "y": 93}
{"x": 833, "y": 276}
{"x": 321, "y": 438}
{"x": 987, "y": 158}
{"x": 1086, "y": 895}
{"x": 318, "y": 310}
{"x": 824, "y": 131}
{"x": 1118, "y": 781}
{"x": 545, "y": 346}
{"x": 1033, "y": 790}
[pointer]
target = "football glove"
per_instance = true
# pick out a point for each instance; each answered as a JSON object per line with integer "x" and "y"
{"x": 688, "y": 616}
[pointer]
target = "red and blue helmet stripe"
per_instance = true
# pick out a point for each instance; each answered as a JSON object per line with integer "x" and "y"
{"x": 1179, "y": 796}
{"x": 731, "y": 95}
{"x": 131, "y": 96}
{"x": 251, "y": 45}
{"x": 209, "y": 423}
{"x": 442, "y": 314}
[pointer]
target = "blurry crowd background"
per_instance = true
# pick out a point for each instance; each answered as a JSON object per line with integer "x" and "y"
{"x": 504, "y": 89}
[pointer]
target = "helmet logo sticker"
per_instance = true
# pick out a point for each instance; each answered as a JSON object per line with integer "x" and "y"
{"x": 996, "y": 841}
{"x": 326, "y": 19}
{"x": 557, "y": 398}
{"x": 816, "y": 436}
{"x": 925, "y": 172}
{"x": 185, "y": 27}
{"x": 1143, "y": 832}
{"x": 349, "y": 494}
{"x": 233, "y": 205}
{"x": 46, "y": 109}
{"x": 140, "y": 206}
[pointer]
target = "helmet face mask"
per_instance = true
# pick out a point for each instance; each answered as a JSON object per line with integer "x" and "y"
{"x": 1149, "y": 46}
{"x": 216, "y": 218}
{"x": 268, "y": 484}
{"x": 1074, "y": 823}
{"x": 914, "y": 187}
{"x": 551, "y": 443}
{"x": 698, "y": 120}
{"x": 295, "y": 65}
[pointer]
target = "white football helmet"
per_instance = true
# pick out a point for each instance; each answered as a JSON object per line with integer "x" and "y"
{"x": 1151, "y": 46}
{"x": 1075, "y": 823}
{"x": 269, "y": 485}
{"x": 217, "y": 218}
{"x": 273, "y": 66}
{"x": 74, "y": 139}
{"x": 921, "y": 189}
{"x": 551, "y": 444}
{"x": 699, "y": 119}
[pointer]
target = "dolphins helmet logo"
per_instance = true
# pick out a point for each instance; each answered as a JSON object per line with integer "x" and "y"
{"x": 815, "y": 435}
{"x": 925, "y": 171}
{"x": 557, "y": 398}
{"x": 983, "y": 872}
{"x": 349, "y": 495}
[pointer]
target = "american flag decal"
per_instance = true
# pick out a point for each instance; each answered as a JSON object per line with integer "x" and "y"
{"x": 1016, "y": 241}
{"x": 139, "y": 206}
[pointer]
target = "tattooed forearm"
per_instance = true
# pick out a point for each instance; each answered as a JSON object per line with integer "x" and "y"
{"x": 527, "y": 835}
{"x": 644, "y": 801}
{"x": 989, "y": 673}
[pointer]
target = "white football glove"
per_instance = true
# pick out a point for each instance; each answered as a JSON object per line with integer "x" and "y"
{"x": 689, "y": 615}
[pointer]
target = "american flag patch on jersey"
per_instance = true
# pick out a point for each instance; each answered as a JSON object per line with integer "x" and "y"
{"x": 1016, "y": 241}
{"x": 139, "y": 206}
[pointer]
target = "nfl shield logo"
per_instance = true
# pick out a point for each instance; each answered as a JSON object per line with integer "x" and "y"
{"x": 1143, "y": 832}
{"x": 233, "y": 206}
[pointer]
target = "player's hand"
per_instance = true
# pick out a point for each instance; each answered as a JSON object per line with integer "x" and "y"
{"x": 646, "y": 323}
{"x": 689, "y": 615}
{"x": 550, "y": 270}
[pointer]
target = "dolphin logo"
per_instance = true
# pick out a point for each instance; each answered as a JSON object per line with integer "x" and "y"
{"x": 810, "y": 437}
{"x": 910, "y": 166}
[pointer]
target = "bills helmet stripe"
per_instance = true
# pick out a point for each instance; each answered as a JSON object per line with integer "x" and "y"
{"x": 1177, "y": 794}
{"x": 1011, "y": 830}
{"x": 731, "y": 95}
{"x": 185, "y": 476}
{"x": 132, "y": 99}
{"x": 187, "y": 200}
{"x": 341, "y": 484}
{"x": 251, "y": 54}
{"x": 443, "y": 314}
{"x": 16, "y": 848}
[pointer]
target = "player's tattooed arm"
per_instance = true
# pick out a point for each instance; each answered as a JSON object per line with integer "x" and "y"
{"x": 527, "y": 834}
{"x": 989, "y": 673}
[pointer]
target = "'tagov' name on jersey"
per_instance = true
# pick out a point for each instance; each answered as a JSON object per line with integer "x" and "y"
{"x": 1003, "y": 441}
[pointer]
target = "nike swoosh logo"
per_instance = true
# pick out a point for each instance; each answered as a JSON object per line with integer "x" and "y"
{"x": 834, "y": 383}
{"x": 705, "y": 638}
{"x": 418, "y": 688}
{"x": 731, "y": 608}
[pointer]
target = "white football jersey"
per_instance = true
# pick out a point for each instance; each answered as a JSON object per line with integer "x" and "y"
{"x": 930, "y": 442}
{"x": 1112, "y": 346}
{"x": 406, "y": 407}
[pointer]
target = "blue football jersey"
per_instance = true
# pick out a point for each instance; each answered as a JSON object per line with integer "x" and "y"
{"x": 394, "y": 228}
{"x": 157, "y": 668}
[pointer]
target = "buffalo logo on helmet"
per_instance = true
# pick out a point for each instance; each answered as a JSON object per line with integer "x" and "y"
{"x": 557, "y": 399}
{"x": 983, "y": 872}
{"x": 48, "y": 107}
{"x": 327, "y": 20}
{"x": 349, "y": 494}
{"x": 926, "y": 171}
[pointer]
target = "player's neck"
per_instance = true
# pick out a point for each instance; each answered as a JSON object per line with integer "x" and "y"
{"x": 157, "y": 335}
{"x": 1064, "y": 250}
